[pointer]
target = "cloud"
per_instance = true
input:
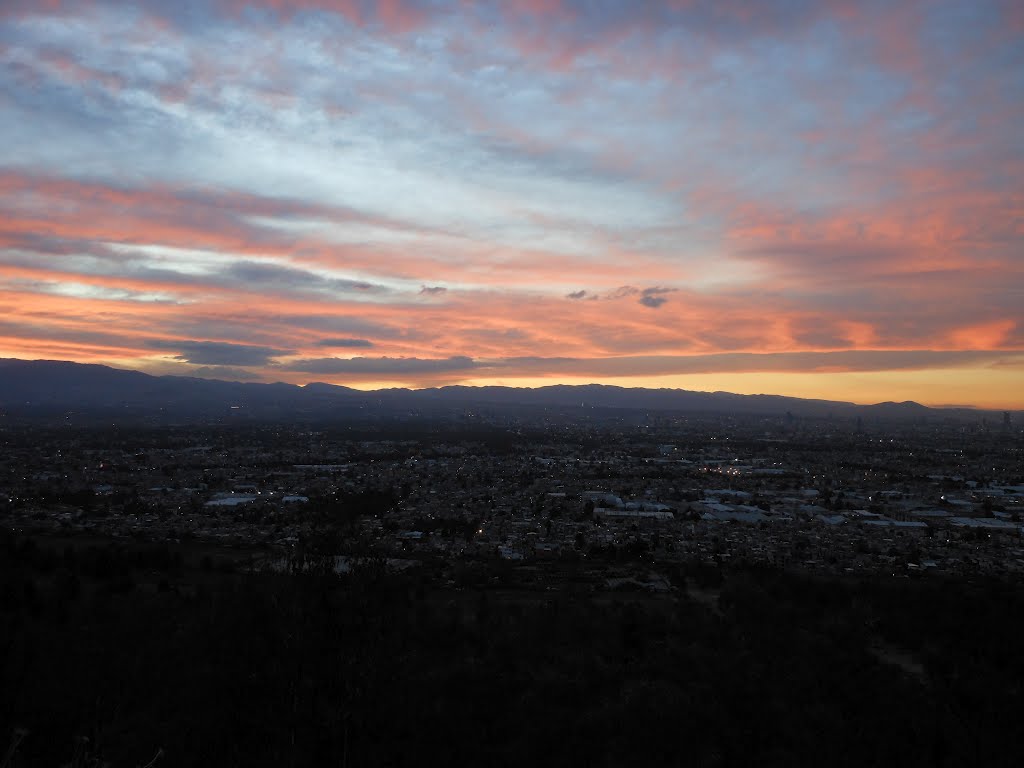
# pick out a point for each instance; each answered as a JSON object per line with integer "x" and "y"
{"x": 254, "y": 273}
{"x": 223, "y": 373}
{"x": 432, "y": 290}
{"x": 89, "y": 291}
{"x": 383, "y": 366}
{"x": 649, "y": 297}
{"x": 750, "y": 362}
{"x": 343, "y": 343}
{"x": 218, "y": 352}
{"x": 56, "y": 331}
{"x": 819, "y": 332}
{"x": 576, "y": 295}
{"x": 652, "y": 301}
{"x": 622, "y": 292}
{"x": 496, "y": 335}
{"x": 384, "y": 326}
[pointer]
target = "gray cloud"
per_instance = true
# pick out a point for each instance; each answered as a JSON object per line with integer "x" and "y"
{"x": 252, "y": 272}
{"x": 344, "y": 343}
{"x": 382, "y": 365}
{"x": 243, "y": 328}
{"x": 576, "y": 295}
{"x": 74, "y": 289}
{"x": 223, "y": 373}
{"x": 433, "y": 290}
{"x": 653, "y": 298}
{"x": 622, "y": 292}
{"x": 99, "y": 260}
{"x": 649, "y": 297}
{"x": 218, "y": 352}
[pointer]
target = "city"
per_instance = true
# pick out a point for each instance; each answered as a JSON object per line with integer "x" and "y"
{"x": 387, "y": 589}
{"x": 608, "y": 503}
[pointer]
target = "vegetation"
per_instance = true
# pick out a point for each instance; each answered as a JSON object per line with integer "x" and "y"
{"x": 111, "y": 653}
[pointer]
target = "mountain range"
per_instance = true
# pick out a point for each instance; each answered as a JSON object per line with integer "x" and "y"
{"x": 47, "y": 388}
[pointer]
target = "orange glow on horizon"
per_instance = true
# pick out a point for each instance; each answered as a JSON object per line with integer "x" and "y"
{"x": 972, "y": 388}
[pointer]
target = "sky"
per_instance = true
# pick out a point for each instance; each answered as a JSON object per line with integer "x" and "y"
{"x": 818, "y": 198}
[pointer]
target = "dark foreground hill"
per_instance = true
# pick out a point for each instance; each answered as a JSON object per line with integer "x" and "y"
{"x": 48, "y": 388}
{"x": 114, "y": 654}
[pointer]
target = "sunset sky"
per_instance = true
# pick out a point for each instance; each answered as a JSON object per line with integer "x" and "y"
{"x": 820, "y": 199}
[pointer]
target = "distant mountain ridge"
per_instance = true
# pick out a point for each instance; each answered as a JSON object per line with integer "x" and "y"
{"x": 30, "y": 387}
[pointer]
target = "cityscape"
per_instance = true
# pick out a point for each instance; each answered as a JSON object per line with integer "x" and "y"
{"x": 609, "y": 503}
{"x": 386, "y": 585}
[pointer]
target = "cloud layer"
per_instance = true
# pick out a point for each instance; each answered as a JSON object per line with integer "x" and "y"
{"x": 431, "y": 192}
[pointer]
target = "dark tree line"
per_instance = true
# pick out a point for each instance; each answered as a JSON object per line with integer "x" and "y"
{"x": 135, "y": 651}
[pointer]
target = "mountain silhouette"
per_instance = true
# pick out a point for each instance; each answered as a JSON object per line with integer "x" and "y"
{"x": 48, "y": 387}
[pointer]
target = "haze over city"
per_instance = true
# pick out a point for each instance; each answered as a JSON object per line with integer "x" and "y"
{"x": 808, "y": 199}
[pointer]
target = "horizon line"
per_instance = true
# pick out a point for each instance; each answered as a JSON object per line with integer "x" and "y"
{"x": 371, "y": 389}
